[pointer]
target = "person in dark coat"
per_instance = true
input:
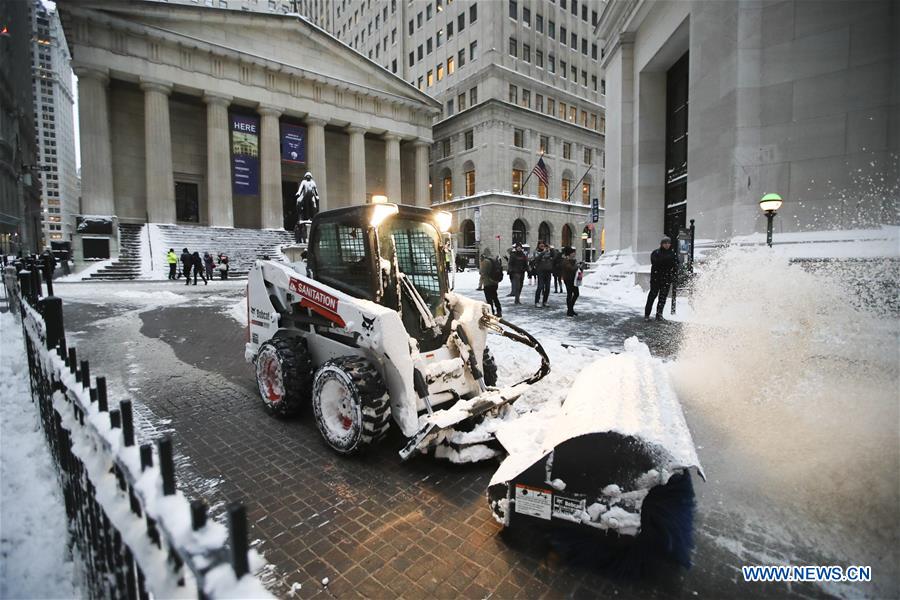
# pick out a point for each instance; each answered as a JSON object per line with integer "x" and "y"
{"x": 568, "y": 271}
{"x": 518, "y": 265}
{"x": 488, "y": 283}
{"x": 198, "y": 267}
{"x": 557, "y": 270}
{"x": 186, "y": 262}
{"x": 542, "y": 266}
{"x": 209, "y": 265}
{"x": 664, "y": 267}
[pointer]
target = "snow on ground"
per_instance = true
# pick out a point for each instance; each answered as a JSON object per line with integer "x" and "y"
{"x": 86, "y": 272}
{"x": 36, "y": 559}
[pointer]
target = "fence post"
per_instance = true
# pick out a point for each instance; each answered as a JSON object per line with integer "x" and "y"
{"x": 167, "y": 465}
{"x": 51, "y": 308}
{"x": 146, "y": 457}
{"x": 127, "y": 422}
{"x": 115, "y": 418}
{"x": 198, "y": 514}
{"x": 25, "y": 285}
{"x": 237, "y": 527}
{"x": 101, "y": 394}
{"x": 85, "y": 374}
{"x": 73, "y": 363}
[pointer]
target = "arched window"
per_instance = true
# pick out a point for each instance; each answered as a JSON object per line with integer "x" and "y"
{"x": 544, "y": 232}
{"x": 518, "y": 176}
{"x": 586, "y": 190}
{"x": 467, "y": 231}
{"x": 519, "y": 232}
{"x": 469, "y": 173}
{"x": 566, "y": 236}
{"x": 446, "y": 185}
{"x": 565, "y": 185}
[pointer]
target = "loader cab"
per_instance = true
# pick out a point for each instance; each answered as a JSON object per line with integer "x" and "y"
{"x": 378, "y": 252}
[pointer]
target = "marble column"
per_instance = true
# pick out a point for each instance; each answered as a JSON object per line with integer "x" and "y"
{"x": 158, "y": 150}
{"x": 392, "y": 167}
{"x": 270, "y": 169}
{"x": 220, "y": 208}
{"x": 422, "y": 191}
{"x": 96, "y": 151}
{"x": 315, "y": 157}
{"x": 357, "y": 165}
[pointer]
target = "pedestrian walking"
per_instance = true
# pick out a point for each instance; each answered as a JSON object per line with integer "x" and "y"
{"x": 518, "y": 265}
{"x": 570, "y": 273}
{"x": 664, "y": 266}
{"x": 557, "y": 270}
{"x": 198, "y": 267}
{"x": 172, "y": 260}
{"x": 209, "y": 265}
{"x": 186, "y": 262}
{"x": 223, "y": 266}
{"x": 542, "y": 266}
{"x": 491, "y": 274}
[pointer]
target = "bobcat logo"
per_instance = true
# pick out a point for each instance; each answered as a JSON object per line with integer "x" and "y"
{"x": 368, "y": 324}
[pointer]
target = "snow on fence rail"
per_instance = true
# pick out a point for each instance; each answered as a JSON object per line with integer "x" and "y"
{"x": 138, "y": 536}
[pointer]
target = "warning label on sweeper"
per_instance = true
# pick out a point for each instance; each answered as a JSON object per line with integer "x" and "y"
{"x": 534, "y": 501}
{"x": 569, "y": 508}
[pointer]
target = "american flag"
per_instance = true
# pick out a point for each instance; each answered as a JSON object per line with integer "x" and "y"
{"x": 540, "y": 169}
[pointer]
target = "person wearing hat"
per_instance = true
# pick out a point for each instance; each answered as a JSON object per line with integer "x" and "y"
{"x": 491, "y": 272}
{"x": 518, "y": 264}
{"x": 664, "y": 263}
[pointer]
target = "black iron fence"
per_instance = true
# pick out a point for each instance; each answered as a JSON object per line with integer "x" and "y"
{"x": 138, "y": 535}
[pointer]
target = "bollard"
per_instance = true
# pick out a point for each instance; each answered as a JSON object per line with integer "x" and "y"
{"x": 73, "y": 362}
{"x": 51, "y": 308}
{"x": 93, "y": 393}
{"x": 127, "y": 422}
{"x": 198, "y": 514}
{"x": 237, "y": 528}
{"x": 167, "y": 465}
{"x": 85, "y": 374}
{"x": 48, "y": 272}
{"x": 25, "y": 285}
{"x": 115, "y": 419}
{"x": 146, "y": 456}
{"x": 101, "y": 394}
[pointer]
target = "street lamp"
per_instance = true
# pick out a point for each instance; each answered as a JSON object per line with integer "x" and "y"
{"x": 770, "y": 204}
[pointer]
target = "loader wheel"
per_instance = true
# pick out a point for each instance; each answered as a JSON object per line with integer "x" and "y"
{"x": 489, "y": 367}
{"x": 284, "y": 374}
{"x": 351, "y": 404}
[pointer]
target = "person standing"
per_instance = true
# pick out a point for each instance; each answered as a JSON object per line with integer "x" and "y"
{"x": 491, "y": 274}
{"x": 518, "y": 264}
{"x": 542, "y": 266}
{"x": 209, "y": 265}
{"x": 557, "y": 270}
{"x": 569, "y": 273}
{"x": 664, "y": 266}
{"x": 223, "y": 266}
{"x": 197, "y": 265}
{"x": 186, "y": 262}
{"x": 172, "y": 260}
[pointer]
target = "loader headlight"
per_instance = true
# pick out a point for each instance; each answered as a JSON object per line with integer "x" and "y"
{"x": 380, "y": 212}
{"x": 443, "y": 219}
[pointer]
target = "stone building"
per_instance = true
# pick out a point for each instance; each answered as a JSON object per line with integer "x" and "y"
{"x": 169, "y": 92}
{"x": 713, "y": 104}
{"x": 55, "y": 124}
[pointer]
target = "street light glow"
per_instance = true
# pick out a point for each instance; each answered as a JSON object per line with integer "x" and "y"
{"x": 770, "y": 202}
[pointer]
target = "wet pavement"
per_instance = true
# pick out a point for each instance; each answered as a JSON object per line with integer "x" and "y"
{"x": 373, "y": 525}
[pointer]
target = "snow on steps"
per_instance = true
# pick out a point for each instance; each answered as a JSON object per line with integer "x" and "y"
{"x": 128, "y": 264}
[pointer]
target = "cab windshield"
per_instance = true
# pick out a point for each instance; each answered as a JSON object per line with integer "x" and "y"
{"x": 417, "y": 246}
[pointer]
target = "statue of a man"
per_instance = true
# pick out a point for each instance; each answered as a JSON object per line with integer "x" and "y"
{"x": 307, "y": 204}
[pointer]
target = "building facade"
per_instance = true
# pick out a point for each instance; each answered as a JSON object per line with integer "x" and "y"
{"x": 55, "y": 125}
{"x": 714, "y": 104}
{"x": 210, "y": 116}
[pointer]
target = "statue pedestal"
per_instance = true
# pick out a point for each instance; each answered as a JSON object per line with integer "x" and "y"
{"x": 293, "y": 252}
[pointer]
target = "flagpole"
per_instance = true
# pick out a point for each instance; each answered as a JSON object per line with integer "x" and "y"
{"x": 522, "y": 191}
{"x": 579, "y": 182}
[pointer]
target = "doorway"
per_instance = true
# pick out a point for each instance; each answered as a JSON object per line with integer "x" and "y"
{"x": 187, "y": 202}
{"x": 676, "y": 147}
{"x": 289, "y": 204}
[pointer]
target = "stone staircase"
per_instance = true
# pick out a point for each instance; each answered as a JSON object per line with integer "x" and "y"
{"x": 128, "y": 265}
{"x": 242, "y": 246}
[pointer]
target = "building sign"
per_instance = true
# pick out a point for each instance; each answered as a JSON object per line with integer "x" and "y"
{"x": 595, "y": 210}
{"x": 244, "y": 155}
{"x": 293, "y": 143}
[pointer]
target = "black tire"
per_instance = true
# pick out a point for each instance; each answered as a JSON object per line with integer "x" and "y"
{"x": 489, "y": 367}
{"x": 284, "y": 375}
{"x": 360, "y": 415}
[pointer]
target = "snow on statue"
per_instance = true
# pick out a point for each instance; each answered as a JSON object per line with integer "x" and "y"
{"x": 307, "y": 204}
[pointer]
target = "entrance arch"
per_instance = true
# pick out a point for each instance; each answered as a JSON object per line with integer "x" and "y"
{"x": 544, "y": 232}
{"x": 519, "y": 232}
{"x": 566, "y": 236}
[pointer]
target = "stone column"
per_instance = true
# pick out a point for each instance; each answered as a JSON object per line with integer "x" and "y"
{"x": 158, "y": 150}
{"x": 392, "y": 167}
{"x": 220, "y": 207}
{"x": 315, "y": 157}
{"x": 357, "y": 165}
{"x": 96, "y": 152}
{"x": 270, "y": 169}
{"x": 422, "y": 191}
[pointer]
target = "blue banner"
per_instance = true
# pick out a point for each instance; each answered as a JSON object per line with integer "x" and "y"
{"x": 293, "y": 143}
{"x": 244, "y": 155}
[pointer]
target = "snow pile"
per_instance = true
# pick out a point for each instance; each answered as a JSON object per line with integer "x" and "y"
{"x": 86, "y": 272}
{"x": 238, "y": 311}
{"x": 880, "y": 242}
{"x": 32, "y": 511}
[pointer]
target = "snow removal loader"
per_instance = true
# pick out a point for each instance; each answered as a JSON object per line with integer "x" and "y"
{"x": 369, "y": 333}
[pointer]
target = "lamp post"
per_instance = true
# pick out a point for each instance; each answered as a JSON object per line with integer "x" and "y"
{"x": 770, "y": 204}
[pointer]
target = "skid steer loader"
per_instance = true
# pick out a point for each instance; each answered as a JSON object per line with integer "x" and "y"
{"x": 369, "y": 333}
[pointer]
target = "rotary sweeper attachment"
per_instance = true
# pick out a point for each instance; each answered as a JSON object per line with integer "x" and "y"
{"x": 616, "y": 459}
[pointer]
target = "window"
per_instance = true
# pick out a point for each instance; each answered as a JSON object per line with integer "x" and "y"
{"x": 585, "y": 193}
{"x": 410, "y": 27}
{"x": 526, "y": 53}
{"x": 594, "y": 51}
{"x": 562, "y": 3}
{"x": 473, "y": 96}
{"x": 542, "y": 190}
{"x": 394, "y": 66}
{"x": 449, "y": 30}
{"x": 551, "y": 106}
{"x": 445, "y": 148}
{"x": 513, "y": 94}
{"x": 517, "y": 176}
{"x": 563, "y": 35}
{"x": 420, "y": 83}
{"x": 470, "y": 139}
{"x": 440, "y": 71}
{"x": 473, "y": 50}
{"x": 584, "y": 46}
{"x": 526, "y": 16}
{"x": 461, "y": 57}
{"x": 448, "y": 188}
{"x": 519, "y": 138}
{"x": 430, "y": 78}
{"x": 545, "y": 145}
{"x": 588, "y": 155}
{"x": 574, "y": 7}
{"x": 562, "y": 69}
{"x": 429, "y": 12}
{"x": 551, "y": 29}
{"x": 584, "y": 12}
{"x": 567, "y": 146}
{"x": 420, "y": 52}
{"x": 593, "y": 17}
{"x": 539, "y": 23}
{"x": 603, "y": 86}
{"x": 573, "y": 41}
{"x": 513, "y": 9}
{"x": 450, "y": 107}
{"x": 461, "y": 22}
{"x": 593, "y": 121}
{"x": 470, "y": 183}
{"x": 584, "y": 78}
{"x": 539, "y": 103}
{"x": 594, "y": 82}
{"x": 428, "y": 46}
{"x": 602, "y": 123}
{"x": 584, "y": 118}
{"x": 574, "y": 74}
{"x": 566, "y": 189}
{"x": 412, "y": 58}
{"x": 573, "y": 114}
{"x": 473, "y": 13}
{"x": 451, "y": 67}
{"x": 419, "y": 20}
{"x": 551, "y": 63}
{"x": 526, "y": 98}
{"x": 461, "y": 102}
{"x": 513, "y": 47}
{"x": 439, "y": 39}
